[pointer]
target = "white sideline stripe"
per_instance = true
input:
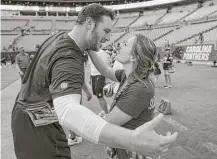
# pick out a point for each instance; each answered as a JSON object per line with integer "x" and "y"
{"x": 8, "y": 87}
{"x": 211, "y": 147}
{"x": 175, "y": 124}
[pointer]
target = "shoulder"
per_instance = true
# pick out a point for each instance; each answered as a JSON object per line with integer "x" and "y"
{"x": 142, "y": 88}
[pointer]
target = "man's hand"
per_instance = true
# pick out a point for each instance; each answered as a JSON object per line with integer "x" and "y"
{"x": 147, "y": 142}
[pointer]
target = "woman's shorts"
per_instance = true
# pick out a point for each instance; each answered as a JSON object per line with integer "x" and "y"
{"x": 166, "y": 72}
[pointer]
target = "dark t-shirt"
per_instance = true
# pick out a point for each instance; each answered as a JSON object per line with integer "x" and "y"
{"x": 137, "y": 100}
{"x": 22, "y": 60}
{"x": 169, "y": 59}
{"x": 57, "y": 70}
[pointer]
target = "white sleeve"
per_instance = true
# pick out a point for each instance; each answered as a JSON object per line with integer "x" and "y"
{"x": 78, "y": 118}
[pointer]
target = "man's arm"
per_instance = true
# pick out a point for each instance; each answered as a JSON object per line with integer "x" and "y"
{"x": 101, "y": 66}
{"x": 84, "y": 122}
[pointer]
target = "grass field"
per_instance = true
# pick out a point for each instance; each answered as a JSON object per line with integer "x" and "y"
{"x": 194, "y": 114}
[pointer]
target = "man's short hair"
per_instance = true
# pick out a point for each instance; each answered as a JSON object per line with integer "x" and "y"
{"x": 95, "y": 11}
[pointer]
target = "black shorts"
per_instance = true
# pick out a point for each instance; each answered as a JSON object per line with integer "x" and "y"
{"x": 98, "y": 82}
{"x": 43, "y": 142}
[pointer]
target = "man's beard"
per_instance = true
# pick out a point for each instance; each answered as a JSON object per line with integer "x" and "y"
{"x": 94, "y": 41}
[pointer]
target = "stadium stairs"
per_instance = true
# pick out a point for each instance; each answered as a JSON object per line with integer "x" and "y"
{"x": 14, "y": 42}
{"x": 120, "y": 37}
{"x": 115, "y": 22}
{"x": 186, "y": 15}
{"x": 190, "y": 37}
{"x": 163, "y": 35}
{"x": 207, "y": 16}
{"x": 159, "y": 19}
{"x": 134, "y": 21}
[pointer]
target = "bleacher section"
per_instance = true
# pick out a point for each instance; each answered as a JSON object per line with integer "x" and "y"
{"x": 113, "y": 37}
{"x": 178, "y": 13}
{"x": 185, "y": 32}
{"x": 29, "y": 41}
{"x": 152, "y": 34}
{"x": 148, "y": 17}
{"x": 10, "y": 24}
{"x": 42, "y": 24}
{"x": 7, "y": 40}
{"x": 182, "y": 25}
{"x": 124, "y": 21}
{"x": 203, "y": 11}
{"x": 64, "y": 24}
{"x": 213, "y": 14}
{"x": 209, "y": 37}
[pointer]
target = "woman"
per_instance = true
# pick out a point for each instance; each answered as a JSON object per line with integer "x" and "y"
{"x": 167, "y": 64}
{"x": 133, "y": 105}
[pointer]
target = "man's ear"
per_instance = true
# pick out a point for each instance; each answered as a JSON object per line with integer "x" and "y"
{"x": 90, "y": 23}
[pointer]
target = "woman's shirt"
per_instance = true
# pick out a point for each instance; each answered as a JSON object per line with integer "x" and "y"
{"x": 136, "y": 100}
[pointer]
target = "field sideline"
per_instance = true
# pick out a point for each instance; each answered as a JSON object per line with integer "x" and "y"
{"x": 194, "y": 108}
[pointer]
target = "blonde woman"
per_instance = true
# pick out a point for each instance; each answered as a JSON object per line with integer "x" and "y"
{"x": 134, "y": 102}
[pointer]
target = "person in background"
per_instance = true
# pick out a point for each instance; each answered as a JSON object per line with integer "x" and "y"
{"x": 167, "y": 64}
{"x": 201, "y": 38}
{"x": 22, "y": 61}
{"x": 157, "y": 72}
{"x": 31, "y": 57}
{"x": 98, "y": 81}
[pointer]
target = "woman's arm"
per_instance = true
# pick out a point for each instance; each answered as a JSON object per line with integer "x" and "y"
{"x": 117, "y": 117}
{"x": 101, "y": 66}
{"x": 87, "y": 91}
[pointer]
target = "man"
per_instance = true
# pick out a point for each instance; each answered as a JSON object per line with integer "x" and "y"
{"x": 55, "y": 79}
{"x": 98, "y": 82}
{"x": 22, "y": 61}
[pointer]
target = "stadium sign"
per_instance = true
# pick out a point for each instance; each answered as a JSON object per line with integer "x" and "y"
{"x": 198, "y": 52}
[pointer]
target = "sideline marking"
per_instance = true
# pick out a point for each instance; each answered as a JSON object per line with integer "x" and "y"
{"x": 10, "y": 85}
{"x": 175, "y": 124}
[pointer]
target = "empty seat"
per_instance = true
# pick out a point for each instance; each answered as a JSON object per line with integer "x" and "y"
{"x": 10, "y": 24}
{"x": 42, "y": 24}
{"x": 29, "y": 41}
{"x": 65, "y": 24}
{"x": 7, "y": 40}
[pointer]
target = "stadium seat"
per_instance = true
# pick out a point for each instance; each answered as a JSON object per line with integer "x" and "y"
{"x": 10, "y": 24}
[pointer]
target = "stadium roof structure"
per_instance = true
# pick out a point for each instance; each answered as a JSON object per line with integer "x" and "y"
{"x": 69, "y": 1}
